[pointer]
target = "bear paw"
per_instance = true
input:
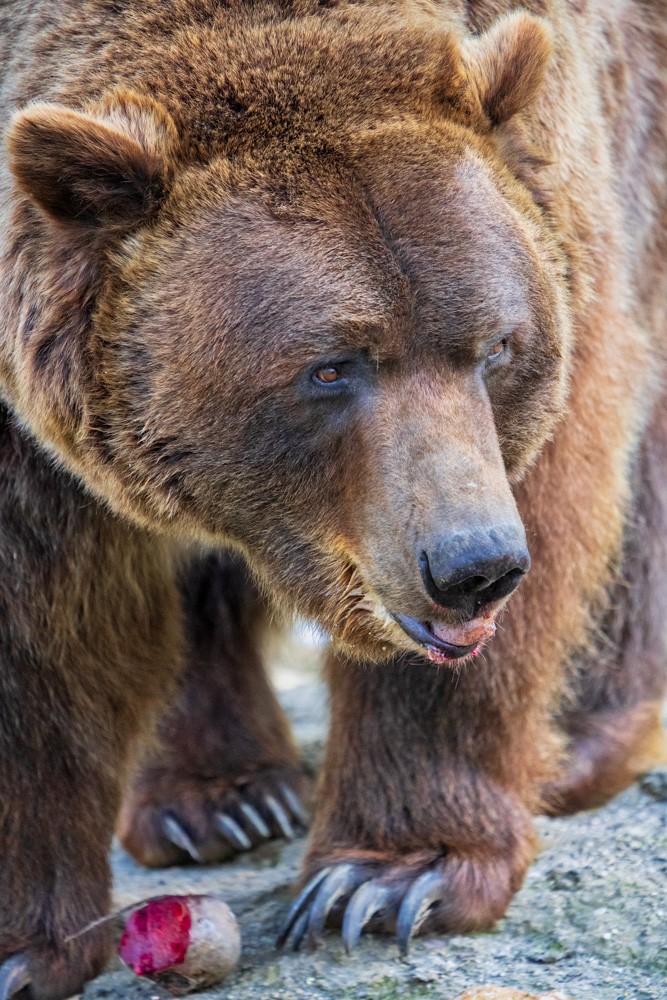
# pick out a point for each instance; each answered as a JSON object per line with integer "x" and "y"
{"x": 202, "y": 822}
{"x": 450, "y": 893}
{"x": 55, "y": 973}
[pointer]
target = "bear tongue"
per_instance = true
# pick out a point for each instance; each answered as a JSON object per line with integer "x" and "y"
{"x": 466, "y": 634}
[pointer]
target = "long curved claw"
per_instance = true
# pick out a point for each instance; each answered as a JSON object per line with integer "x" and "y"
{"x": 255, "y": 820}
{"x": 14, "y": 976}
{"x": 295, "y": 909}
{"x": 177, "y": 835}
{"x": 280, "y": 817}
{"x": 235, "y": 834}
{"x": 342, "y": 880}
{"x": 421, "y": 896}
{"x": 297, "y": 931}
{"x": 295, "y": 806}
{"x": 369, "y": 899}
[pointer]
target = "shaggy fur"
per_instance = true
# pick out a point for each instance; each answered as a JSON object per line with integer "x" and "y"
{"x": 202, "y": 204}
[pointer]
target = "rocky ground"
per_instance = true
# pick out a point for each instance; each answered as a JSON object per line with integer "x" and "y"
{"x": 590, "y": 920}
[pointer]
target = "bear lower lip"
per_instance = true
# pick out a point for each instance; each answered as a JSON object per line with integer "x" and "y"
{"x": 440, "y": 656}
{"x": 468, "y": 633}
{"x": 447, "y": 642}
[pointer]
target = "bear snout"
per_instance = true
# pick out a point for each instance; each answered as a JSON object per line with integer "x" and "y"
{"x": 466, "y": 570}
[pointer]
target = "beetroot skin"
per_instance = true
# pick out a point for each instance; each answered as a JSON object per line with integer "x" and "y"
{"x": 182, "y": 943}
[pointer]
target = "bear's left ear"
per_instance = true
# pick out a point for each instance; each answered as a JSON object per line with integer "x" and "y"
{"x": 506, "y": 65}
{"x": 107, "y": 166}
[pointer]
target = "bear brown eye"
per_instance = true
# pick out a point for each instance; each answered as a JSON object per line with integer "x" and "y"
{"x": 327, "y": 375}
{"x": 497, "y": 349}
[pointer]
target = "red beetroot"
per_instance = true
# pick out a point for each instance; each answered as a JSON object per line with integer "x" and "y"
{"x": 182, "y": 943}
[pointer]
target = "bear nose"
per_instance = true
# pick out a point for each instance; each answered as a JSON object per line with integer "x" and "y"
{"x": 467, "y": 570}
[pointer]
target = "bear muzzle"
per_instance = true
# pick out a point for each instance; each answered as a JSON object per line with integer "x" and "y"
{"x": 473, "y": 573}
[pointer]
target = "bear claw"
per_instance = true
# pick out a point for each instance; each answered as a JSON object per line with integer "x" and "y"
{"x": 339, "y": 883}
{"x": 236, "y": 827}
{"x": 295, "y": 913}
{"x": 256, "y": 822}
{"x": 280, "y": 817}
{"x": 367, "y": 897}
{"x": 233, "y": 832}
{"x": 14, "y": 976}
{"x": 421, "y": 896}
{"x": 174, "y": 832}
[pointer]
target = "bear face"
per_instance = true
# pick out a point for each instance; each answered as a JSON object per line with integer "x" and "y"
{"x": 443, "y": 333}
{"x": 336, "y": 356}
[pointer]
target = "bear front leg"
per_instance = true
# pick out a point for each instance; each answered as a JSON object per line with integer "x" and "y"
{"x": 89, "y": 644}
{"x": 421, "y": 820}
{"x": 226, "y": 774}
{"x": 56, "y": 819}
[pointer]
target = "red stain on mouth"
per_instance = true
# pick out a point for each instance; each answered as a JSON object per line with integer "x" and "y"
{"x": 437, "y": 656}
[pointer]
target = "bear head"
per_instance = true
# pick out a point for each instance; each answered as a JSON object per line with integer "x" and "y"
{"x": 294, "y": 300}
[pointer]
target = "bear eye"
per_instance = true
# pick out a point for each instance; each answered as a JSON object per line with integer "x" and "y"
{"x": 327, "y": 376}
{"x": 497, "y": 349}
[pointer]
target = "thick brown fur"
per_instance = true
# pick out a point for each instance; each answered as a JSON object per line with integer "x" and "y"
{"x": 227, "y": 742}
{"x": 201, "y": 205}
{"x": 86, "y": 654}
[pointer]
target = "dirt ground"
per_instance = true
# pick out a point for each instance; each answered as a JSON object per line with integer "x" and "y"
{"x": 590, "y": 920}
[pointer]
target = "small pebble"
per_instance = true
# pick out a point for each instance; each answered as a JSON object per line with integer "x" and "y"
{"x": 654, "y": 783}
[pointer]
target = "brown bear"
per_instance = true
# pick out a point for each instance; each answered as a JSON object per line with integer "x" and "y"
{"x": 370, "y": 294}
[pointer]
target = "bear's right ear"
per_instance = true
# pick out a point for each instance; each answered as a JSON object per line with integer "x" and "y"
{"x": 109, "y": 166}
{"x": 506, "y": 65}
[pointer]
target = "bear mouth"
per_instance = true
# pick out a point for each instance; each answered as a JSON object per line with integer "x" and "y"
{"x": 448, "y": 642}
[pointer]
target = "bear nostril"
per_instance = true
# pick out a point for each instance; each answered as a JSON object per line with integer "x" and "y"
{"x": 502, "y": 587}
{"x": 458, "y": 591}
